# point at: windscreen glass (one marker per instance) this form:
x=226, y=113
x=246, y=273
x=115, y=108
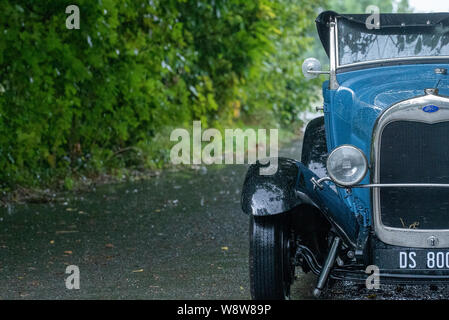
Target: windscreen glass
x=356, y=43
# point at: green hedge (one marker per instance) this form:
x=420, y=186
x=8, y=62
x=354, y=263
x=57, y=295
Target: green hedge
x=72, y=99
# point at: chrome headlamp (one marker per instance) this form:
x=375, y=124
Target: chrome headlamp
x=347, y=165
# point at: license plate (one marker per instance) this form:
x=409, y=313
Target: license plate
x=419, y=259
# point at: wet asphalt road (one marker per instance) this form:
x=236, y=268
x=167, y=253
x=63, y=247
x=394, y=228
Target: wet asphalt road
x=180, y=235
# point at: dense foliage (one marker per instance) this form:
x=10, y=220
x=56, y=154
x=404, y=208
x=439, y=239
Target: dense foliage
x=72, y=101
x=277, y=85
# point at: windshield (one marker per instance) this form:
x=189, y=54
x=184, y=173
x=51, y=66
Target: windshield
x=356, y=43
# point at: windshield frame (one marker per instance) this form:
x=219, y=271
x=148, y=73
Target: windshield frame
x=381, y=62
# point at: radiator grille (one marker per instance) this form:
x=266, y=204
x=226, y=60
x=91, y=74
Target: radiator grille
x=415, y=152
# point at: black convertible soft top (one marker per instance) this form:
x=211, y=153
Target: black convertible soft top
x=387, y=20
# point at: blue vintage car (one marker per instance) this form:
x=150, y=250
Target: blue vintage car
x=371, y=192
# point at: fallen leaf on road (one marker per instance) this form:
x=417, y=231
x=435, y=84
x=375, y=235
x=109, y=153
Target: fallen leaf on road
x=65, y=231
x=139, y=270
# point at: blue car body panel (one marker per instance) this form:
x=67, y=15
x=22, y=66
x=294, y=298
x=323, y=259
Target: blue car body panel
x=351, y=111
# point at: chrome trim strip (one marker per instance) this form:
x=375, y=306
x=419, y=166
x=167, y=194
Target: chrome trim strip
x=333, y=53
x=392, y=60
x=402, y=185
x=408, y=110
x=318, y=72
x=319, y=184
x=337, y=49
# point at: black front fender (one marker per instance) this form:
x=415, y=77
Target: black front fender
x=265, y=195
x=290, y=187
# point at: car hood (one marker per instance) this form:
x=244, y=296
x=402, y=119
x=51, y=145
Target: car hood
x=363, y=95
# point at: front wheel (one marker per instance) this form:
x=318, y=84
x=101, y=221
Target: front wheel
x=270, y=257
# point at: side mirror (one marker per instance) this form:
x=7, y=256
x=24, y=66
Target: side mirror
x=311, y=68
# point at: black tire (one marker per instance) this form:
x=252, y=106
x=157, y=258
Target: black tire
x=270, y=263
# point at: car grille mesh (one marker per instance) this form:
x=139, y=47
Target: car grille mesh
x=415, y=152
